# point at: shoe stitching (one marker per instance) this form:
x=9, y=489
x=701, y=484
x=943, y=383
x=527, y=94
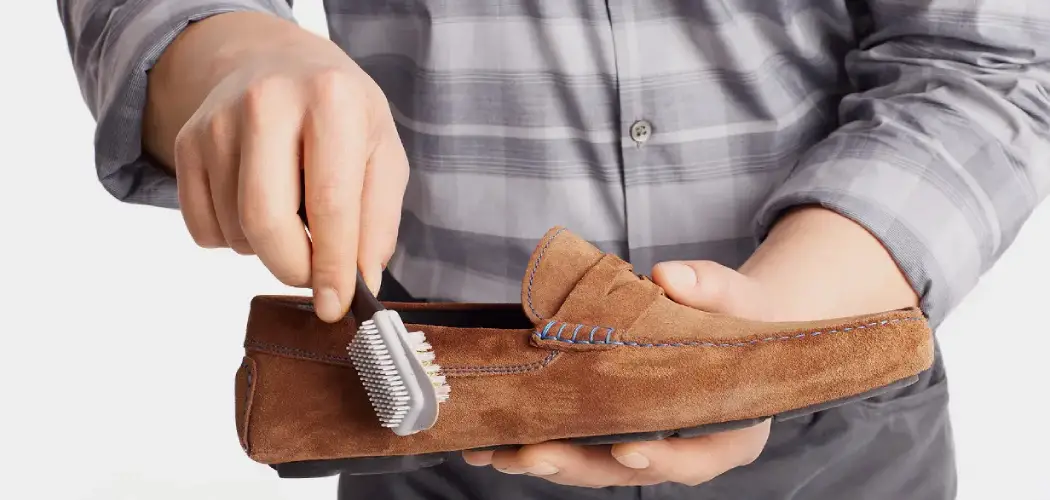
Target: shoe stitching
x=448, y=370
x=575, y=331
x=249, y=391
x=301, y=353
x=502, y=370
x=528, y=295
x=591, y=336
x=609, y=330
x=558, y=335
x=543, y=336
x=535, y=267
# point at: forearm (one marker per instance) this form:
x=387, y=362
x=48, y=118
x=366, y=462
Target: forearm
x=941, y=149
x=817, y=264
x=194, y=64
x=114, y=45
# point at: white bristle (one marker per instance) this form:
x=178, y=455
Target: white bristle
x=378, y=372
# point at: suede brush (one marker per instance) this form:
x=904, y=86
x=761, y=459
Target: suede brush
x=395, y=366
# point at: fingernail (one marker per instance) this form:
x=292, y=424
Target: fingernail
x=373, y=279
x=511, y=470
x=680, y=275
x=326, y=303
x=477, y=459
x=542, y=469
x=634, y=460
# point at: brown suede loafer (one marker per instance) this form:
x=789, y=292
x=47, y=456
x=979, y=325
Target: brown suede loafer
x=594, y=354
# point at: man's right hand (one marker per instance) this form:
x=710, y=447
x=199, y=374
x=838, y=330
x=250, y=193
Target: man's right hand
x=240, y=106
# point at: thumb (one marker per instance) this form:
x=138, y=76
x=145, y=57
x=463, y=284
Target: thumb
x=710, y=286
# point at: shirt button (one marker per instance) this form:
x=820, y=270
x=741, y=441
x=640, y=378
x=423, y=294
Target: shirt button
x=641, y=130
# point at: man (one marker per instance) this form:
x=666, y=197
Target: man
x=770, y=159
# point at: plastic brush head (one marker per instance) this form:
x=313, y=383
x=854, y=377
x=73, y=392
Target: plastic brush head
x=398, y=372
x=396, y=367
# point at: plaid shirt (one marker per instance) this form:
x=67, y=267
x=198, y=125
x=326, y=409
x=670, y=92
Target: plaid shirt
x=659, y=129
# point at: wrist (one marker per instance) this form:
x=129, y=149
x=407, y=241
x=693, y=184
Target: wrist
x=818, y=264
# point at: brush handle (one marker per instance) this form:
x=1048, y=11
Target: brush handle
x=364, y=305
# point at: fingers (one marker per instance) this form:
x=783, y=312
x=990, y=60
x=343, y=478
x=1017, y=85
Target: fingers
x=222, y=152
x=711, y=287
x=478, y=458
x=195, y=201
x=268, y=194
x=693, y=460
x=335, y=151
x=239, y=180
x=681, y=460
x=384, y=189
x=564, y=463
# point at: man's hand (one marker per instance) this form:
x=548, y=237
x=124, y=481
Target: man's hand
x=701, y=284
x=814, y=264
x=241, y=106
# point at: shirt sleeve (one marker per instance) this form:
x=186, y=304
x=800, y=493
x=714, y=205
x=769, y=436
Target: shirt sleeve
x=112, y=44
x=943, y=147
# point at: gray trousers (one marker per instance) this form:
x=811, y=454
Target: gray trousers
x=896, y=446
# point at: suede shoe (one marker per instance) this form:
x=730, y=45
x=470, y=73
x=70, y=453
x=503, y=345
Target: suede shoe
x=594, y=354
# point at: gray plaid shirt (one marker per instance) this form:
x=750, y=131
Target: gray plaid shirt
x=659, y=129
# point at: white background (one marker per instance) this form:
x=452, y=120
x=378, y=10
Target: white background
x=120, y=337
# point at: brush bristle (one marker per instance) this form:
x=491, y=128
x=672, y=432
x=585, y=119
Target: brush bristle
x=425, y=354
x=385, y=387
x=376, y=370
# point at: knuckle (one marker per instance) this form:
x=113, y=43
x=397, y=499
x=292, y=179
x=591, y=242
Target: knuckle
x=379, y=117
x=256, y=219
x=326, y=201
x=185, y=150
x=711, y=284
x=330, y=84
x=219, y=127
x=380, y=105
x=260, y=97
x=328, y=271
x=706, y=267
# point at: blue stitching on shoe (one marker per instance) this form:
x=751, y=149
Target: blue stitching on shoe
x=544, y=336
x=574, y=332
x=563, y=325
x=608, y=336
x=532, y=277
x=592, y=333
x=548, y=327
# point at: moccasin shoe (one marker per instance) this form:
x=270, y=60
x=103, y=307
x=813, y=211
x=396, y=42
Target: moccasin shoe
x=594, y=353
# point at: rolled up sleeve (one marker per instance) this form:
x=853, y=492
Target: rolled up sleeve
x=943, y=148
x=113, y=43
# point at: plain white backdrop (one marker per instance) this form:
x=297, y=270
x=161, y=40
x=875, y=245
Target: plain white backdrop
x=120, y=337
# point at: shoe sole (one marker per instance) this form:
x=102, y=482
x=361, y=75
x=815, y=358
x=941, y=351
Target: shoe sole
x=407, y=463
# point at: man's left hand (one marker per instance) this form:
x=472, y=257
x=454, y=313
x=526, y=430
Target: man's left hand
x=704, y=285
